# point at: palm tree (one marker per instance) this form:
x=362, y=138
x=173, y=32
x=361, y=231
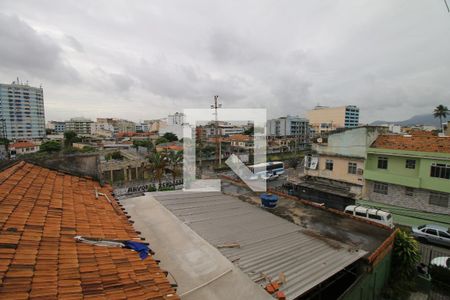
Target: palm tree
x=440, y=112
x=158, y=164
x=174, y=160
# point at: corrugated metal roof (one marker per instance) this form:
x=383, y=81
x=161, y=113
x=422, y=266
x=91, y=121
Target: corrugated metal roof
x=268, y=244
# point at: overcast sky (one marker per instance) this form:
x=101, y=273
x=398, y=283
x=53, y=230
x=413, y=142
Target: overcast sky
x=144, y=59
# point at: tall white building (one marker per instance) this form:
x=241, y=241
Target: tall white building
x=175, y=124
x=21, y=111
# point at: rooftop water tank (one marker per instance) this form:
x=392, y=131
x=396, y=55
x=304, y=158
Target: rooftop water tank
x=269, y=200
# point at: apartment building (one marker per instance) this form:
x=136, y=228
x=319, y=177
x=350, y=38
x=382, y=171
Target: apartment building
x=82, y=126
x=337, y=162
x=142, y=127
x=21, y=111
x=411, y=171
x=288, y=128
x=174, y=125
x=324, y=118
x=56, y=126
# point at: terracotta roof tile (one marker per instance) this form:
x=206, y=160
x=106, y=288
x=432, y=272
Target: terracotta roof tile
x=25, y=144
x=40, y=213
x=420, y=143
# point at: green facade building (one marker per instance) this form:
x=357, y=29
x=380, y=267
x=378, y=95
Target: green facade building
x=409, y=171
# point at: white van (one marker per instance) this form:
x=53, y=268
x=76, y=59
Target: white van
x=372, y=214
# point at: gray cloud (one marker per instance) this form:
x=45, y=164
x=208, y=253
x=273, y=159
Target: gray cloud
x=25, y=50
x=74, y=43
x=391, y=59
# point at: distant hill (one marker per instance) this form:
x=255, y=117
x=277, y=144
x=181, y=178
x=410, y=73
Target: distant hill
x=426, y=119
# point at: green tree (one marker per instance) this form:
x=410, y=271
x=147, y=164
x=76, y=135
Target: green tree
x=50, y=146
x=70, y=137
x=250, y=131
x=158, y=165
x=174, y=161
x=405, y=257
x=114, y=155
x=161, y=140
x=117, y=155
x=294, y=162
x=4, y=141
x=440, y=112
x=143, y=143
x=170, y=137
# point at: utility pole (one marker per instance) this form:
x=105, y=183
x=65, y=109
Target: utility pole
x=5, y=137
x=216, y=128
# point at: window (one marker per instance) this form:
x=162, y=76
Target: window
x=352, y=168
x=439, y=199
x=375, y=217
x=410, y=164
x=382, y=163
x=431, y=231
x=329, y=165
x=444, y=234
x=409, y=191
x=361, y=214
x=380, y=188
x=440, y=170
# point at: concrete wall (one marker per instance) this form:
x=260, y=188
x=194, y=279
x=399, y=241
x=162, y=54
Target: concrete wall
x=76, y=164
x=397, y=196
x=351, y=142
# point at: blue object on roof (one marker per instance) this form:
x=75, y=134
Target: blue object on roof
x=269, y=200
x=143, y=249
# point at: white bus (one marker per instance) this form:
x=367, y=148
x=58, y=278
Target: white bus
x=372, y=214
x=267, y=170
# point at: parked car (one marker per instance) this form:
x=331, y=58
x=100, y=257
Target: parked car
x=373, y=214
x=443, y=261
x=432, y=233
x=271, y=177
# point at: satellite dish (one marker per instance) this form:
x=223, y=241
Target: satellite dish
x=319, y=140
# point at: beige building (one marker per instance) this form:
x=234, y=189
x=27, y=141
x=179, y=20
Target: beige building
x=324, y=118
x=339, y=161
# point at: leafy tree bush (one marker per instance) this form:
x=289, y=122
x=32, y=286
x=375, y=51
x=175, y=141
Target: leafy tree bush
x=405, y=257
x=294, y=162
x=170, y=137
x=114, y=155
x=70, y=137
x=250, y=131
x=87, y=149
x=151, y=188
x=143, y=143
x=50, y=146
x=161, y=140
